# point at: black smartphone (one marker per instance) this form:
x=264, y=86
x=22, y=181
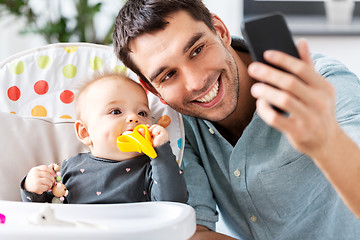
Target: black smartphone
x=265, y=33
x=268, y=32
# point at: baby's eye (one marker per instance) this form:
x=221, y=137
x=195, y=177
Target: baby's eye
x=143, y=114
x=115, y=112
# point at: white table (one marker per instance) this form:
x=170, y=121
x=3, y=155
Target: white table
x=148, y=220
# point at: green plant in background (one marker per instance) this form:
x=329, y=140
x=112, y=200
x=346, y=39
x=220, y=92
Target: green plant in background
x=80, y=27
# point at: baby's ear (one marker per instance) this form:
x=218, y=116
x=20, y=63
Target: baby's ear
x=82, y=133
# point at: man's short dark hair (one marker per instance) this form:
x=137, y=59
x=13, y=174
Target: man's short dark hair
x=137, y=17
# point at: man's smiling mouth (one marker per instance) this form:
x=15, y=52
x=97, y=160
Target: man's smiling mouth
x=211, y=95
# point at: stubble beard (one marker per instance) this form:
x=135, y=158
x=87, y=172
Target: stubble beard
x=221, y=111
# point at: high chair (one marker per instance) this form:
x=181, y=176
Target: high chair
x=38, y=88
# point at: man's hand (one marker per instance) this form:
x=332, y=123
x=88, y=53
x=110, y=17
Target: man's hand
x=303, y=93
x=311, y=125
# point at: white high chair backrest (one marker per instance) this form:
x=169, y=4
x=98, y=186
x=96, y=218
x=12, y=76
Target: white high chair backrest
x=38, y=87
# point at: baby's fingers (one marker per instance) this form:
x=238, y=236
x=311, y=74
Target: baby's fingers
x=159, y=135
x=43, y=169
x=38, y=185
x=155, y=129
x=40, y=179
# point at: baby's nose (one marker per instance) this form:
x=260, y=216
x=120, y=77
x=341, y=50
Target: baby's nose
x=133, y=119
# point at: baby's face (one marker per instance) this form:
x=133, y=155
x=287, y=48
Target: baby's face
x=110, y=107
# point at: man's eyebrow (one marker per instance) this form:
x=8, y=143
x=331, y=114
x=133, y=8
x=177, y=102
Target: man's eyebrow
x=188, y=45
x=192, y=41
x=156, y=73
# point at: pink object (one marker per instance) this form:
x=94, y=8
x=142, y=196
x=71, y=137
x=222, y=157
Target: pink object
x=2, y=218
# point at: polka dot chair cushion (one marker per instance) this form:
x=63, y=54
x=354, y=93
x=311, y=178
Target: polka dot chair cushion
x=41, y=84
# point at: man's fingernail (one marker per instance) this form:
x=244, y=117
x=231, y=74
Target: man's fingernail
x=255, y=89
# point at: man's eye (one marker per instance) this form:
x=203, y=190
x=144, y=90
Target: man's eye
x=196, y=51
x=169, y=75
x=143, y=114
x=115, y=112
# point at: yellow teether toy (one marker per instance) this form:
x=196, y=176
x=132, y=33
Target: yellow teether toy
x=135, y=142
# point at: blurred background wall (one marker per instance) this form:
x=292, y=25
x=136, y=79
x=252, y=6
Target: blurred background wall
x=73, y=15
x=102, y=14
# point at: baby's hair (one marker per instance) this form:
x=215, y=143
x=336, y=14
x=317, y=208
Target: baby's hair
x=89, y=82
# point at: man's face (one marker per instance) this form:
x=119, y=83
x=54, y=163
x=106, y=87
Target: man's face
x=190, y=67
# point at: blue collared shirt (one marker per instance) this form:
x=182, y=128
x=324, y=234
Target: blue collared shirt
x=264, y=188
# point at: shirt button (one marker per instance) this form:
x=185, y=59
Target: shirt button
x=211, y=131
x=237, y=173
x=253, y=218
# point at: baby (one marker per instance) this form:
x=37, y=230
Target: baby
x=106, y=107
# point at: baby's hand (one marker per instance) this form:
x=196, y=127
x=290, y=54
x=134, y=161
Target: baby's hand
x=159, y=135
x=40, y=179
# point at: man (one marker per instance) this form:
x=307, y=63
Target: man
x=272, y=176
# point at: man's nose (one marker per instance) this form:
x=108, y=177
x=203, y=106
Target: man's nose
x=194, y=77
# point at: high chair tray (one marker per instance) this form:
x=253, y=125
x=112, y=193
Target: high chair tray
x=147, y=220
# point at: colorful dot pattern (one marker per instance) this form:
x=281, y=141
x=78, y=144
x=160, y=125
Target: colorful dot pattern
x=43, y=82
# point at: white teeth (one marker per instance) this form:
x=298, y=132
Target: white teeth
x=211, y=95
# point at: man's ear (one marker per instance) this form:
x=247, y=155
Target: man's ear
x=82, y=133
x=221, y=30
x=147, y=86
